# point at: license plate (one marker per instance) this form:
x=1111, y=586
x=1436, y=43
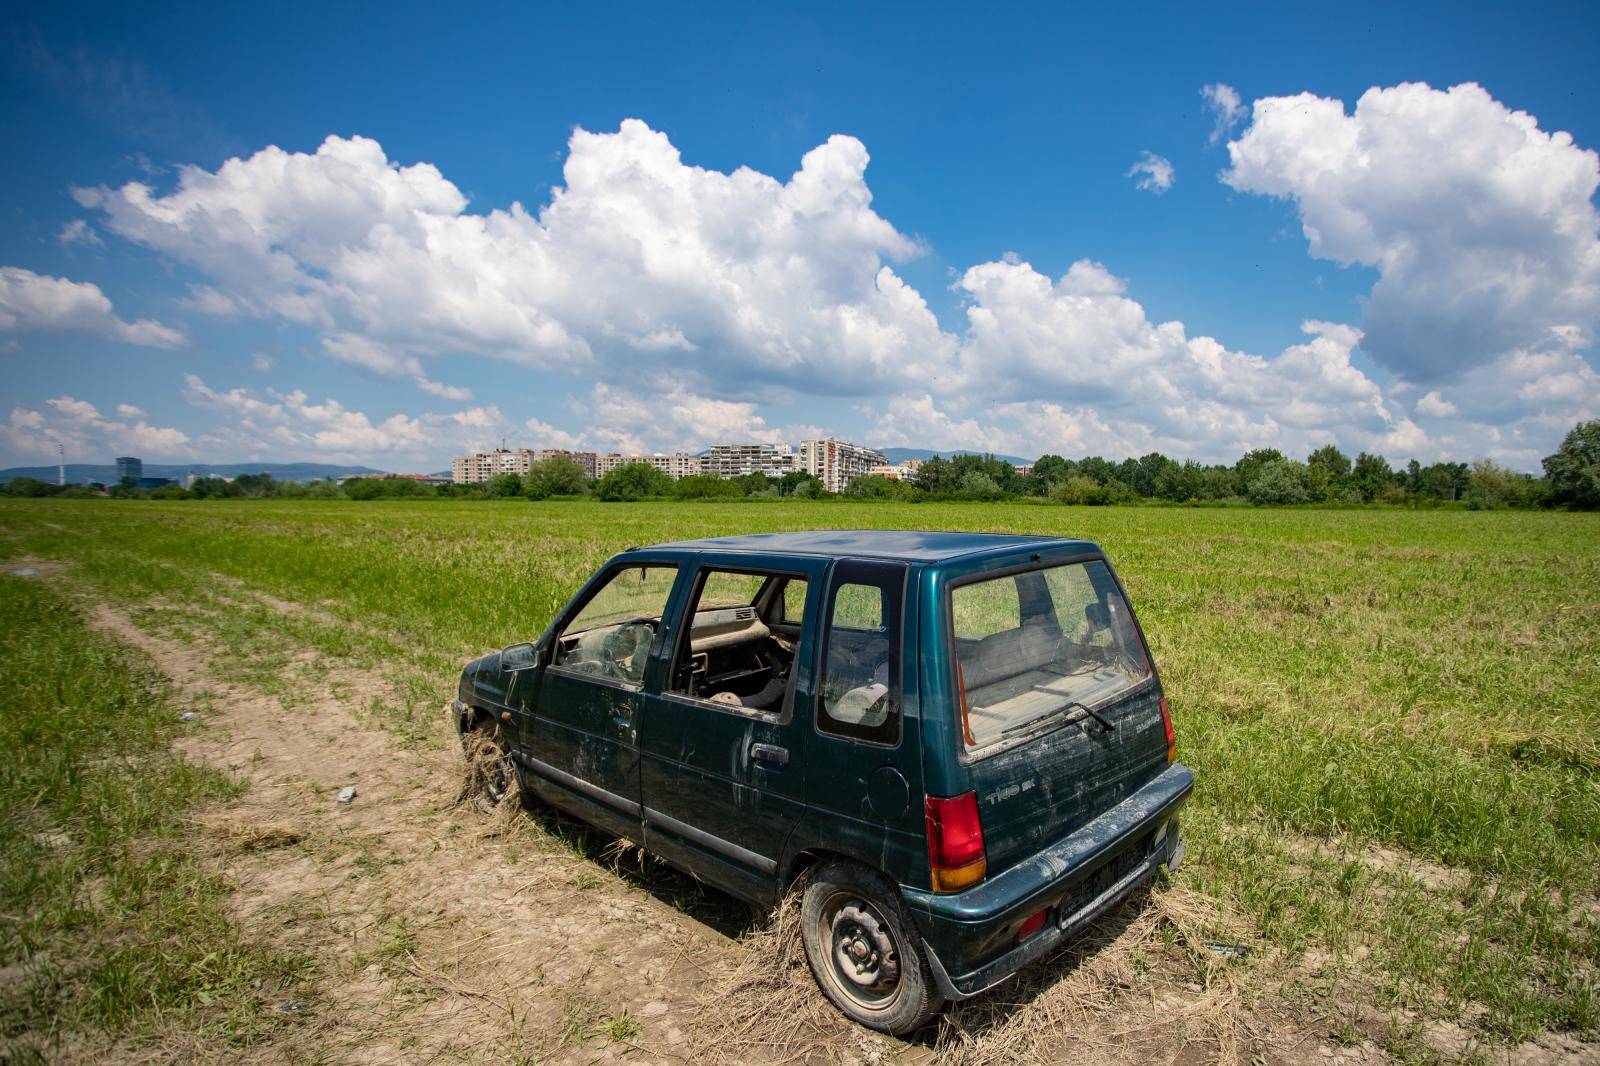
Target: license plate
x=1090, y=887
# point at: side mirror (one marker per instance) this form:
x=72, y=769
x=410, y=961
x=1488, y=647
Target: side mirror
x=518, y=657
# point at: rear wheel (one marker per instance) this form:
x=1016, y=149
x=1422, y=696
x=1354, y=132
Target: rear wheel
x=491, y=775
x=863, y=949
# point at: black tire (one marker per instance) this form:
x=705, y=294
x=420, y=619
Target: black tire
x=864, y=951
x=490, y=772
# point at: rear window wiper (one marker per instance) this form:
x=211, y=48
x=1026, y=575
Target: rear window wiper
x=1034, y=723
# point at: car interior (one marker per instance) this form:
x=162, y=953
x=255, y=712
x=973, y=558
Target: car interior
x=742, y=654
x=1072, y=651
x=740, y=650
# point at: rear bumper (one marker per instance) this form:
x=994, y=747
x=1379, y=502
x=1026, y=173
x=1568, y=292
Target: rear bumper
x=969, y=936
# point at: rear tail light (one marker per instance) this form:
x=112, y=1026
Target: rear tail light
x=956, y=858
x=1166, y=724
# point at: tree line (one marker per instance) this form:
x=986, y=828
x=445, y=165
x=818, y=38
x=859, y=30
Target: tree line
x=1262, y=477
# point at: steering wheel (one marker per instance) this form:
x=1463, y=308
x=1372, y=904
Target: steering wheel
x=625, y=648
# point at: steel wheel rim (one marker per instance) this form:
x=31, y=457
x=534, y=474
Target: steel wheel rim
x=863, y=959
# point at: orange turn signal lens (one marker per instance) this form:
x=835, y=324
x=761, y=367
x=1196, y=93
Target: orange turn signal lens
x=959, y=878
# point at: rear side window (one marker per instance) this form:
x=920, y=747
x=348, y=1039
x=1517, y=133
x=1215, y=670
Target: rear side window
x=794, y=601
x=860, y=690
x=1031, y=644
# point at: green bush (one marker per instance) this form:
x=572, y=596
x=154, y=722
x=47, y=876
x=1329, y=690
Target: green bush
x=1080, y=492
x=633, y=481
x=558, y=476
x=706, y=487
x=1278, y=482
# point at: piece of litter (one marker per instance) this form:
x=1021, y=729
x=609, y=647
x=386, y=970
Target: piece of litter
x=293, y=1007
x=1230, y=951
x=185, y=716
x=346, y=794
x=24, y=571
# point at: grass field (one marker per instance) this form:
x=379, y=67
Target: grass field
x=111, y=927
x=1393, y=714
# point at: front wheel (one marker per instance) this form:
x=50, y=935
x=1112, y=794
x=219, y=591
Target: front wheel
x=863, y=949
x=490, y=773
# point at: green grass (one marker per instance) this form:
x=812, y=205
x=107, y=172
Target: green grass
x=110, y=929
x=1393, y=714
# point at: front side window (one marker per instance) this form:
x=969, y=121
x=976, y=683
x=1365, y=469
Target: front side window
x=610, y=636
x=859, y=696
x=1031, y=644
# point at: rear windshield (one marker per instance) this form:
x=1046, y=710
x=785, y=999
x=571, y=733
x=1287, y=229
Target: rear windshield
x=1031, y=644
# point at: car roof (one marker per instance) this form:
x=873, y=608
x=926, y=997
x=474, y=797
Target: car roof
x=911, y=545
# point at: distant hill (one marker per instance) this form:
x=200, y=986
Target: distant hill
x=900, y=455
x=78, y=473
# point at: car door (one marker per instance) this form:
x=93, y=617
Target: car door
x=580, y=722
x=862, y=751
x=723, y=783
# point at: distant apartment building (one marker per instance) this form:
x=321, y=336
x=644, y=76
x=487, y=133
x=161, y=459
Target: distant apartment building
x=676, y=465
x=129, y=468
x=588, y=461
x=737, y=460
x=836, y=462
x=479, y=467
x=1024, y=469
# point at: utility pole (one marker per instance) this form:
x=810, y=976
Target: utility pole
x=61, y=463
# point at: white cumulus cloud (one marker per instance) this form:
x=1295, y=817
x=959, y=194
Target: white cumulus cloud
x=273, y=424
x=1481, y=226
x=736, y=278
x=693, y=297
x=1222, y=100
x=39, y=303
x=86, y=433
x=1154, y=172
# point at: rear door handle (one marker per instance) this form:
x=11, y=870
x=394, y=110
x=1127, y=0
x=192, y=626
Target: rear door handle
x=622, y=716
x=770, y=753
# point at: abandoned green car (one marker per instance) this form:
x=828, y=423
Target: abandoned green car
x=958, y=740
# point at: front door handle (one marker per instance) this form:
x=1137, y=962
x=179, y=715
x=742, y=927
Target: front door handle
x=770, y=753
x=622, y=716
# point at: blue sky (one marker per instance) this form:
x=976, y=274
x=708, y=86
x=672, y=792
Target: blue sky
x=1000, y=147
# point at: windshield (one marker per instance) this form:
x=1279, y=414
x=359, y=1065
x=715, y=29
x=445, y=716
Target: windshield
x=1031, y=644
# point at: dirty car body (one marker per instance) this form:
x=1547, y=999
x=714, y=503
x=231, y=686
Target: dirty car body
x=961, y=736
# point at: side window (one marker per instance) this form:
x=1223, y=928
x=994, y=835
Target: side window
x=859, y=696
x=610, y=636
x=728, y=655
x=726, y=588
x=794, y=601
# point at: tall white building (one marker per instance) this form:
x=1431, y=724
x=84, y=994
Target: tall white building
x=676, y=465
x=479, y=467
x=837, y=462
x=737, y=460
